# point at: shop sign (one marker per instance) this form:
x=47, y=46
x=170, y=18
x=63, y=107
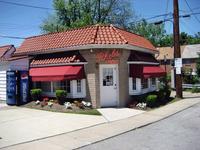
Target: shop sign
x=178, y=70
x=110, y=57
x=178, y=62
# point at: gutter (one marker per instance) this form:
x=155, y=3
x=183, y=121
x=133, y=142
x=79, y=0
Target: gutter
x=90, y=46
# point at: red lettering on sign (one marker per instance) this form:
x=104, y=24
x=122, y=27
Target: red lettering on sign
x=108, y=56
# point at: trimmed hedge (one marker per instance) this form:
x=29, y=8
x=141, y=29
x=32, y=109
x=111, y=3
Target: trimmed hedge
x=36, y=94
x=151, y=100
x=61, y=96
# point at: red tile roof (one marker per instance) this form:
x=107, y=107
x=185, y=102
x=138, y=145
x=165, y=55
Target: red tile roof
x=57, y=58
x=97, y=34
x=4, y=49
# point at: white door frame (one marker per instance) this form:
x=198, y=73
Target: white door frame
x=101, y=66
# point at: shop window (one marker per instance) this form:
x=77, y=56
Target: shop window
x=153, y=81
x=107, y=76
x=61, y=85
x=56, y=86
x=37, y=85
x=78, y=86
x=134, y=83
x=68, y=88
x=46, y=86
x=144, y=83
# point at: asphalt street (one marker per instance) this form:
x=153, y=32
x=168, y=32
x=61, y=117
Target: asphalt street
x=178, y=132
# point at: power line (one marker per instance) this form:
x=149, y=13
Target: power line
x=195, y=8
x=180, y=16
x=11, y=37
x=153, y=17
x=25, y=5
x=166, y=10
x=186, y=26
x=192, y=11
x=167, y=19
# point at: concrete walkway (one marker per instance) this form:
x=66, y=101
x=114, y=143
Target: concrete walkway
x=100, y=132
x=3, y=104
x=18, y=125
x=113, y=114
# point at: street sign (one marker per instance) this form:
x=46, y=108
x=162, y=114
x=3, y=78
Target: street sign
x=177, y=62
x=178, y=70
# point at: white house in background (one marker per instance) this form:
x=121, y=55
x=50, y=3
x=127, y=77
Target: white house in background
x=7, y=62
x=5, y=53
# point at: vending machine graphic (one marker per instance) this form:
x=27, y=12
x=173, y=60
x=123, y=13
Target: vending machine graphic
x=24, y=87
x=11, y=88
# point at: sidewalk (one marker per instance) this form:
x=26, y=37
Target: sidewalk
x=100, y=132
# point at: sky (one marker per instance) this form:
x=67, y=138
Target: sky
x=19, y=21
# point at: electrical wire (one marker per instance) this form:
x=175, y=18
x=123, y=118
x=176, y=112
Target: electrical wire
x=186, y=26
x=166, y=10
x=26, y=5
x=192, y=10
x=11, y=37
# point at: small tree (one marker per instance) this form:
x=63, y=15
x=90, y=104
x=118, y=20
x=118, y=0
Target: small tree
x=198, y=66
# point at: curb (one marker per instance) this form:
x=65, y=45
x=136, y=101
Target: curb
x=114, y=135
x=137, y=127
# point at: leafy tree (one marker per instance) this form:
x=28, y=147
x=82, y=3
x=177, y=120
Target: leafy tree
x=78, y=13
x=198, y=66
x=157, y=34
x=152, y=32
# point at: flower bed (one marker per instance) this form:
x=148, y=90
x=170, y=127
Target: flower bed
x=53, y=105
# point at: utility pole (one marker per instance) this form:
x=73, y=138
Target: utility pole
x=177, y=54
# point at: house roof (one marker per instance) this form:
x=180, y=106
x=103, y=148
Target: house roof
x=57, y=58
x=187, y=51
x=4, y=49
x=92, y=35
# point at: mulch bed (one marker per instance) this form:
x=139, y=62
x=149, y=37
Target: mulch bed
x=61, y=108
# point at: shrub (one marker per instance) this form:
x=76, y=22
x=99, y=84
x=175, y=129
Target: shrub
x=161, y=94
x=140, y=98
x=190, y=79
x=61, y=96
x=167, y=94
x=151, y=100
x=36, y=94
x=195, y=90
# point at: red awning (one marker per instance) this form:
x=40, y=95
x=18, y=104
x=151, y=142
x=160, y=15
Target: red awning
x=145, y=71
x=57, y=73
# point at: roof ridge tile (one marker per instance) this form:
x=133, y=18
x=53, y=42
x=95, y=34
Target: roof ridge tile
x=122, y=37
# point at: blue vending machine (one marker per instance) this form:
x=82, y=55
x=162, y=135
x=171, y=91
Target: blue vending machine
x=24, y=87
x=11, y=88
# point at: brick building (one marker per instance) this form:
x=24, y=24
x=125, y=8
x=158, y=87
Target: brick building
x=102, y=64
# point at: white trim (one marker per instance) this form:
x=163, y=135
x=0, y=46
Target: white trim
x=73, y=90
x=139, y=89
x=142, y=62
x=91, y=46
x=76, y=94
x=62, y=64
x=101, y=66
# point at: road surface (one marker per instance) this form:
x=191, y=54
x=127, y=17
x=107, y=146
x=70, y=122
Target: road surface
x=178, y=132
